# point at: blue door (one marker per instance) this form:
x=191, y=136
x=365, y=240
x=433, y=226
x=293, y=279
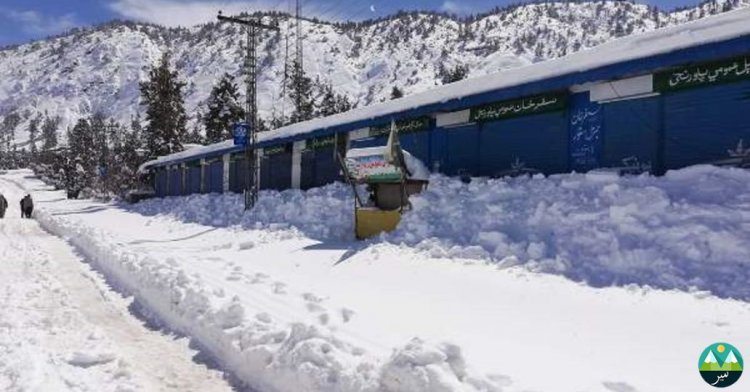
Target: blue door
x=215, y=174
x=193, y=180
x=631, y=134
x=237, y=174
x=706, y=125
x=161, y=182
x=326, y=167
x=175, y=182
x=524, y=145
x=276, y=171
x=417, y=144
x=455, y=151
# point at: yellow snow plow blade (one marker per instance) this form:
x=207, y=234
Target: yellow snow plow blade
x=372, y=221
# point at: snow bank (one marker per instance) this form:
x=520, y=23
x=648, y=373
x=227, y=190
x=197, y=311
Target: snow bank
x=321, y=213
x=686, y=230
x=267, y=354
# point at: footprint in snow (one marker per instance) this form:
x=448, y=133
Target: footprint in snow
x=259, y=278
x=346, y=314
x=279, y=288
x=310, y=297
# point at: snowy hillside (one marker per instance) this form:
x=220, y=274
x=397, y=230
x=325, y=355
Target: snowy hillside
x=98, y=69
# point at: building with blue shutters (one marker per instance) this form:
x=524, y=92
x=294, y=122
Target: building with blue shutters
x=651, y=102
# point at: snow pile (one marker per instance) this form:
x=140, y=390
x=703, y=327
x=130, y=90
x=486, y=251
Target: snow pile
x=270, y=352
x=319, y=213
x=686, y=230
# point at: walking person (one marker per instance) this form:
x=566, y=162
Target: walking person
x=27, y=206
x=3, y=206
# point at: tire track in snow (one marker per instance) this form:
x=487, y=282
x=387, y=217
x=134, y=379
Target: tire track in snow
x=63, y=328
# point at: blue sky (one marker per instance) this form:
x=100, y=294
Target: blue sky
x=25, y=20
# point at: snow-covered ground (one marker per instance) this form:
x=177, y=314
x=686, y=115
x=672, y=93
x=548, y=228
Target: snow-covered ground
x=569, y=283
x=63, y=329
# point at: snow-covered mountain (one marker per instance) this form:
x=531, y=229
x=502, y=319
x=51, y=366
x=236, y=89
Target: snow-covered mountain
x=99, y=69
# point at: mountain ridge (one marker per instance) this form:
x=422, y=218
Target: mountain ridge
x=98, y=69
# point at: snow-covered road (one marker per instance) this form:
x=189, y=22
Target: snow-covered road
x=62, y=328
x=287, y=302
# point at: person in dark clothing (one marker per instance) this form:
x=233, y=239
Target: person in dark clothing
x=27, y=206
x=3, y=206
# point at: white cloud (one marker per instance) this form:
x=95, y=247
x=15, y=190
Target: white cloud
x=186, y=13
x=34, y=23
x=455, y=8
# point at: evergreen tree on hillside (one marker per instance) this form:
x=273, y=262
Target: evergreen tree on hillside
x=224, y=110
x=165, y=112
x=7, y=136
x=327, y=105
x=332, y=103
x=458, y=72
x=301, y=92
x=33, y=133
x=99, y=131
x=396, y=93
x=49, y=132
x=81, y=163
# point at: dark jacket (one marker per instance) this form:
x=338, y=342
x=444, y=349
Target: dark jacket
x=27, y=203
x=3, y=205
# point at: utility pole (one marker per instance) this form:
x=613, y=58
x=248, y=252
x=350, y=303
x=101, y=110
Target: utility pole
x=298, y=67
x=252, y=184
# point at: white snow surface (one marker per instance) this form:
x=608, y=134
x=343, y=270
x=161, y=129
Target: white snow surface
x=565, y=283
x=62, y=328
x=703, y=31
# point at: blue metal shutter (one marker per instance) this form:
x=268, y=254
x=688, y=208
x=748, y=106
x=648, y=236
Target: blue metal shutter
x=161, y=182
x=417, y=144
x=307, y=169
x=701, y=125
x=526, y=144
x=276, y=171
x=193, y=180
x=237, y=175
x=455, y=151
x=215, y=173
x=631, y=133
x=326, y=168
x=175, y=182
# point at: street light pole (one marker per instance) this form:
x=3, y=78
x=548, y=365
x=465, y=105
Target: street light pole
x=252, y=185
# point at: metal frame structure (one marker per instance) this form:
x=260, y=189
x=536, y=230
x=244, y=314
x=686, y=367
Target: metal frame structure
x=251, y=26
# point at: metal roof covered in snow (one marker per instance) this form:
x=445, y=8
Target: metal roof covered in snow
x=713, y=37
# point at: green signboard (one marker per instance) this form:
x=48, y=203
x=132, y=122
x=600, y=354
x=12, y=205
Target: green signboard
x=280, y=149
x=706, y=74
x=402, y=126
x=520, y=107
x=320, y=142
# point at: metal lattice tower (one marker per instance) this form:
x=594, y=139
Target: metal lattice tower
x=252, y=185
x=298, y=61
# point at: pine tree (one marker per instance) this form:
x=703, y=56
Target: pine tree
x=224, y=110
x=301, y=95
x=81, y=156
x=49, y=132
x=33, y=133
x=396, y=93
x=328, y=103
x=459, y=72
x=165, y=112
